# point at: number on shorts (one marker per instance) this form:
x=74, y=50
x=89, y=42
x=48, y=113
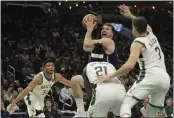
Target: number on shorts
x=45, y=92
x=158, y=51
x=100, y=70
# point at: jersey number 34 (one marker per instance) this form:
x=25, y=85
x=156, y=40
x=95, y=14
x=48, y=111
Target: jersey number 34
x=100, y=70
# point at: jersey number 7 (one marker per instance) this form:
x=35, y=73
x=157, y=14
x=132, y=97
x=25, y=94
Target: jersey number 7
x=100, y=70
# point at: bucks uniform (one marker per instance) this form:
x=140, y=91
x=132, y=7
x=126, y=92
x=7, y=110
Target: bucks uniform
x=153, y=78
x=107, y=96
x=35, y=99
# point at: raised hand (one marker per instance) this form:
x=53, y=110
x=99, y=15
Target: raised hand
x=90, y=24
x=125, y=11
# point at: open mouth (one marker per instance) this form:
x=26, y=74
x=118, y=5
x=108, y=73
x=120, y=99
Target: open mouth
x=51, y=70
x=104, y=33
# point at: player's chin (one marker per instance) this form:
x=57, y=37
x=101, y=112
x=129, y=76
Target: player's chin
x=51, y=71
x=104, y=36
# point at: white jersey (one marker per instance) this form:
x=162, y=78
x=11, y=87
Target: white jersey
x=96, y=69
x=153, y=56
x=42, y=90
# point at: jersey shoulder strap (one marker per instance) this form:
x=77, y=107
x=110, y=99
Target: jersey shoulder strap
x=142, y=40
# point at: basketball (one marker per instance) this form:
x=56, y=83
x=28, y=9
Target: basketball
x=86, y=17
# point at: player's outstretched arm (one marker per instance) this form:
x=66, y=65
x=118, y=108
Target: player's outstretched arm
x=37, y=80
x=60, y=78
x=135, y=51
x=125, y=11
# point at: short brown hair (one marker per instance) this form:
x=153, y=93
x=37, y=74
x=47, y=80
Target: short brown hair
x=110, y=25
x=140, y=24
x=113, y=30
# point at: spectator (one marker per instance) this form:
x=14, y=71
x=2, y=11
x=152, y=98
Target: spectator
x=17, y=85
x=4, y=113
x=66, y=93
x=50, y=54
x=15, y=93
x=26, y=71
x=5, y=84
x=9, y=95
x=49, y=111
x=55, y=33
x=22, y=45
x=25, y=57
x=37, y=64
x=169, y=107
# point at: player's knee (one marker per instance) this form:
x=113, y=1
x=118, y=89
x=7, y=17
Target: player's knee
x=77, y=80
x=129, y=101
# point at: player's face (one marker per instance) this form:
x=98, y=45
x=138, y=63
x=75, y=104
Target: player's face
x=107, y=32
x=49, y=68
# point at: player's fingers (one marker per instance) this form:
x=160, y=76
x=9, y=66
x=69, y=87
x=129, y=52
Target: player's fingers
x=90, y=18
x=87, y=19
x=85, y=22
x=121, y=7
x=122, y=13
x=125, y=6
x=98, y=80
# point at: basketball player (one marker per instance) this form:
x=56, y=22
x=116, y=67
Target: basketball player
x=38, y=88
x=153, y=79
x=102, y=95
x=110, y=55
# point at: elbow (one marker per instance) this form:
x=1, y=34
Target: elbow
x=87, y=49
x=84, y=47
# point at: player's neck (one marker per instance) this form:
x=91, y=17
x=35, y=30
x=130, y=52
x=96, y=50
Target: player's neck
x=48, y=76
x=143, y=34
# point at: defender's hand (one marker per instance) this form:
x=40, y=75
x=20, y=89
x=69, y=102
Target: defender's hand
x=103, y=78
x=125, y=11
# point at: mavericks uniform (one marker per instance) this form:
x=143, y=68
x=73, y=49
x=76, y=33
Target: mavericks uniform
x=107, y=96
x=153, y=79
x=112, y=58
x=35, y=99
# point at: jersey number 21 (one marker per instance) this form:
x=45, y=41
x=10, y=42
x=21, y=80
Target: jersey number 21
x=100, y=70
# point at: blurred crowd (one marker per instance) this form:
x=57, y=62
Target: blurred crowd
x=29, y=36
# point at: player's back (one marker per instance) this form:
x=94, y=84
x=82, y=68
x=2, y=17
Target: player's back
x=153, y=56
x=43, y=89
x=96, y=69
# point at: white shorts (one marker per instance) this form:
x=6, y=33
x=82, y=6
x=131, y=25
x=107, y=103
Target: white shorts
x=33, y=103
x=156, y=83
x=109, y=97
